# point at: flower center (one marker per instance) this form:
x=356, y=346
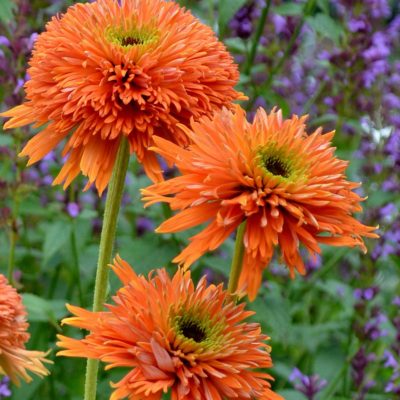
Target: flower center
x=278, y=162
x=131, y=41
x=128, y=38
x=276, y=166
x=192, y=329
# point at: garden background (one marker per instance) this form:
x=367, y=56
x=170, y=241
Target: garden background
x=336, y=60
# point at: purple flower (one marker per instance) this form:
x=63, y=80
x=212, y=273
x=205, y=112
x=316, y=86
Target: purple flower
x=73, y=209
x=394, y=29
x=313, y=263
x=31, y=40
x=388, y=211
x=308, y=385
x=378, y=8
x=390, y=361
x=144, y=225
x=359, y=364
x=279, y=23
x=396, y=301
x=4, y=41
x=365, y=294
x=391, y=100
x=47, y=180
x=4, y=389
x=358, y=25
x=379, y=48
x=19, y=86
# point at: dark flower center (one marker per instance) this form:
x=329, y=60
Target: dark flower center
x=191, y=329
x=276, y=166
x=131, y=41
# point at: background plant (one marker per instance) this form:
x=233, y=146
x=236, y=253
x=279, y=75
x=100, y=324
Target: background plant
x=336, y=60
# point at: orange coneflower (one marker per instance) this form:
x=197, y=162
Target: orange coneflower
x=287, y=185
x=15, y=360
x=173, y=336
x=111, y=68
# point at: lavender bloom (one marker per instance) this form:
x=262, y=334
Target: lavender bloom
x=358, y=25
x=144, y=225
x=242, y=22
x=396, y=301
x=388, y=212
x=391, y=100
x=310, y=386
x=4, y=41
x=4, y=388
x=366, y=294
x=390, y=361
x=378, y=8
x=372, y=329
x=359, y=365
x=73, y=209
x=279, y=23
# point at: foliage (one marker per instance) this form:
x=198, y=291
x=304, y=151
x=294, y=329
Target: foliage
x=337, y=61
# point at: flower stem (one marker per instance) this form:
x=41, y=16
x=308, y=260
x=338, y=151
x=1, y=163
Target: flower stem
x=257, y=36
x=76, y=272
x=113, y=202
x=237, y=261
x=11, y=256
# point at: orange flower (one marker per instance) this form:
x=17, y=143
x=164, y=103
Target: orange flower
x=174, y=336
x=106, y=70
x=288, y=186
x=15, y=360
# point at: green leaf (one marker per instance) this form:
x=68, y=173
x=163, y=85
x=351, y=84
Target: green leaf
x=26, y=391
x=41, y=310
x=226, y=10
x=326, y=26
x=236, y=45
x=289, y=9
x=273, y=313
x=291, y=394
x=56, y=237
x=146, y=253
x=6, y=10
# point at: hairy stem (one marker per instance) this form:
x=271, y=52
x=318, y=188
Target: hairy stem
x=113, y=202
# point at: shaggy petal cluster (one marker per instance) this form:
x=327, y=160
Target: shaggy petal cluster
x=173, y=336
x=15, y=360
x=287, y=185
x=109, y=69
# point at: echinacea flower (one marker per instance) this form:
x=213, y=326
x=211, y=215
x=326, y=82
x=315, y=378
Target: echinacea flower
x=112, y=69
x=15, y=359
x=174, y=336
x=286, y=185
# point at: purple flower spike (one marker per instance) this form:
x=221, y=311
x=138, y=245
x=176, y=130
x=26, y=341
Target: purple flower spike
x=310, y=386
x=4, y=389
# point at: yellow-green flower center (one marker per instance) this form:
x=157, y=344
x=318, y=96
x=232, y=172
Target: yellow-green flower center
x=280, y=163
x=195, y=329
x=131, y=37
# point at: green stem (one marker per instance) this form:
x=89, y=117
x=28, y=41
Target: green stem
x=15, y=212
x=11, y=256
x=237, y=261
x=113, y=202
x=257, y=36
x=76, y=270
